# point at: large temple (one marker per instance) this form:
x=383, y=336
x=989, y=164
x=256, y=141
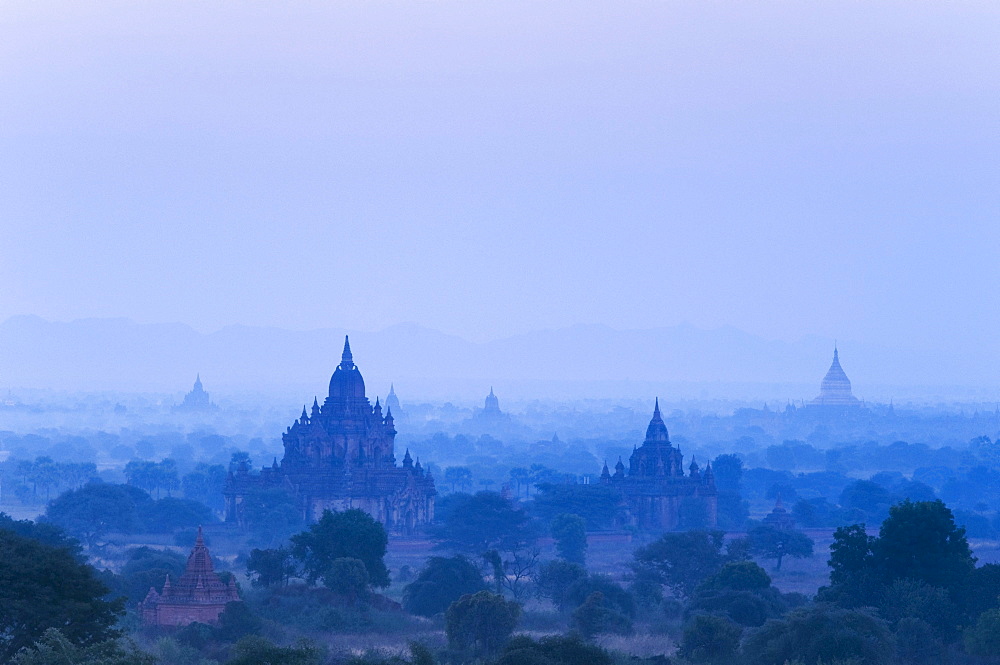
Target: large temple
x=835, y=389
x=197, y=399
x=198, y=596
x=655, y=491
x=341, y=455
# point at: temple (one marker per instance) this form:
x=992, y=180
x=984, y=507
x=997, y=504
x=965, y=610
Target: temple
x=657, y=494
x=779, y=518
x=341, y=455
x=199, y=595
x=392, y=403
x=196, y=400
x=835, y=389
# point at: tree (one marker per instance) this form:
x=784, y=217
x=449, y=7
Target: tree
x=768, y=542
x=570, y=533
x=917, y=643
x=920, y=541
x=710, y=639
x=681, y=560
x=237, y=621
x=555, y=579
x=521, y=476
x=347, y=577
x=481, y=622
x=596, y=616
x=440, y=583
x=170, y=513
x=54, y=648
x=270, y=515
x=44, y=532
x=613, y=595
x=483, y=522
x=820, y=634
x=983, y=639
x=866, y=497
x=45, y=587
x=270, y=567
x=912, y=599
x=553, y=650
x=205, y=484
x=598, y=505
x=741, y=592
x=514, y=567
x=97, y=509
x=147, y=567
x=738, y=576
x=458, y=476
x=350, y=534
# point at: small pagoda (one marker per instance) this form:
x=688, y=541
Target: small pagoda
x=198, y=596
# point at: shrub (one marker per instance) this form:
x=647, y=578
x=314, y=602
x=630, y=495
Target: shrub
x=481, y=622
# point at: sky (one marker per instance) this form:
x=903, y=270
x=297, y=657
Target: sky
x=492, y=168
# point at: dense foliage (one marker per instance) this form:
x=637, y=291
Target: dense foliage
x=44, y=587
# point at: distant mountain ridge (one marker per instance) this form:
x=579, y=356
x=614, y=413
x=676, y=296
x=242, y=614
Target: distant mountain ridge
x=119, y=354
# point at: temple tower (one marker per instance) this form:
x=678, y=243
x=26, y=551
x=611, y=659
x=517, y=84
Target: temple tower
x=835, y=389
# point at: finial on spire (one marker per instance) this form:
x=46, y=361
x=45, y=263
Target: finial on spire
x=199, y=540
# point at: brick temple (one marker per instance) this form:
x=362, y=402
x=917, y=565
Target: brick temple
x=198, y=596
x=341, y=455
x=655, y=490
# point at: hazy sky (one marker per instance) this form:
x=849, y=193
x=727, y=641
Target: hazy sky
x=487, y=168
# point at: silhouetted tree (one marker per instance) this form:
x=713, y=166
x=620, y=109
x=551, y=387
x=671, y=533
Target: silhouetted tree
x=45, y=587
x=710, y=639
x=440, y=583
x=555, y=578
x=768, y=542
x=681, y=560
x=349, y=534
x=481, y=622
x=570, y=533
x=596, y=616
x=270, y=567
x=552, y=650
x=483, y=522
x=820, y=634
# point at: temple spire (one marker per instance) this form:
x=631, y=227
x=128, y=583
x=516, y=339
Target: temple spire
x=656, y=408
x=346, y=359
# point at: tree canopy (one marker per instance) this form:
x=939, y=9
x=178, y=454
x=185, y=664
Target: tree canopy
x=682, y=560
x=440, y=583
x=481, y=522
x=351, y=534
x=45, y=587
x=481, y=622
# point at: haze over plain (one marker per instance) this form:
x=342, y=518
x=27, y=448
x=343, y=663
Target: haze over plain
x=494, y=169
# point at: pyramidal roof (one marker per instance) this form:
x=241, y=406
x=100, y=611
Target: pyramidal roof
x=199, y=563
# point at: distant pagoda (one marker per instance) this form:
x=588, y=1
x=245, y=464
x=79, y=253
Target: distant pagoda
x=199, y=595
x=835, y=389
x=197, y=399
x=392, y=403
